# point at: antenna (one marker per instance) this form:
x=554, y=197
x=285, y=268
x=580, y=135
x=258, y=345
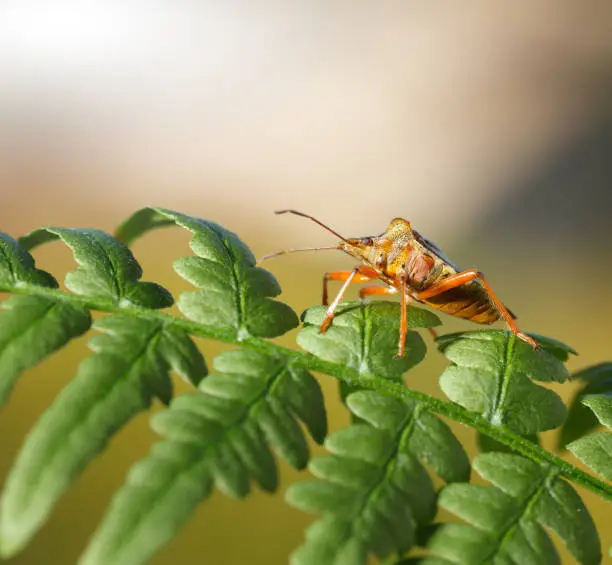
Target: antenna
x=271, y=255
x=314, y=220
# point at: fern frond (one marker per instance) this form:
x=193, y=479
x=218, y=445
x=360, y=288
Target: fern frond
x=375, y=491
x=505, y=523
x=219, y=437
x=492, y=373
x=234, y=294
x=376, y=496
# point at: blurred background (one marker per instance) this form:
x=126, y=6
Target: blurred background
x=488, y=126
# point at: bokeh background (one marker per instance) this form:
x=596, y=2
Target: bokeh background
x=488, y=125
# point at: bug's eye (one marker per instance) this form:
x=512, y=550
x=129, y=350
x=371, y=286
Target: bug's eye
x=367, y=241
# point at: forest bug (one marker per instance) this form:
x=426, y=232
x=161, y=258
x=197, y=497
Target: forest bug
x=410, y=264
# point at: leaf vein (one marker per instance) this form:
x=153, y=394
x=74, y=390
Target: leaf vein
x=523, y=511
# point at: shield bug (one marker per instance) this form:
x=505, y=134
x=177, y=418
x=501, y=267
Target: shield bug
x=408, y=263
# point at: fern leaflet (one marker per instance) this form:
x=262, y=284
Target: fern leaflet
x=596, y=379
x=31, y=327
x=596, y=449
x=376, y=492
x=492, y=373
x=107, y=268
x=364, y=337
x=505, y=522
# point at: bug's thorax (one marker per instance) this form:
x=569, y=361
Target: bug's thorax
x=395, y=255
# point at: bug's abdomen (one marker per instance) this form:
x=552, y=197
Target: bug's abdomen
x=469, y=301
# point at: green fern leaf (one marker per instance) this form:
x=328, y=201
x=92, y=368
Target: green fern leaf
x=234, y=294
x=580, y=420
x=107, y=269
x=505, y=523
x=31, y=327
x=17, y=267
x=375, y=491
x=596, y=449
x=492, y=372
x=130, y=366
x=217, y=437
x=363, y=336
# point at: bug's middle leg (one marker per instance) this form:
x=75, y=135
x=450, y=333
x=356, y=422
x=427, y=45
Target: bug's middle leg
x=406, y=300
x=376, y=290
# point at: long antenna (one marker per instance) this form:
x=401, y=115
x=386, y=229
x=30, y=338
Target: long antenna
x=294, y=251
x=314, y=220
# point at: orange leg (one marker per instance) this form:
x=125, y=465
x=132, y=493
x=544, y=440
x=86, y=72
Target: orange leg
x=376, y=290
x=401, y=346
x=359, y=274
x=465, y=277
x=331, y=311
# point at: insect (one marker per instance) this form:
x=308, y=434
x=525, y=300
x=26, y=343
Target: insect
x=415, y=267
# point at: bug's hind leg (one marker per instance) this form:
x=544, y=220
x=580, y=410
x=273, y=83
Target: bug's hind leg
x=433, y=333
x=467, y=276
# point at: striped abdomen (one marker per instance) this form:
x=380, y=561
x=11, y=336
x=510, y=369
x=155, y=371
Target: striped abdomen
x=469, y=301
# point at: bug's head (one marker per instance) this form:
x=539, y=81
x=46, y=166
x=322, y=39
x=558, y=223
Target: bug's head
x=375, y=250
x=359, y=247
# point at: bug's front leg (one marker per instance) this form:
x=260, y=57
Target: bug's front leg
x=358, y=274
x=363, y=274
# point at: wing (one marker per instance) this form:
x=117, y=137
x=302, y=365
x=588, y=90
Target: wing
x=433, y=248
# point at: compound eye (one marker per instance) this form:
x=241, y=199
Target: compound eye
x=367, y=241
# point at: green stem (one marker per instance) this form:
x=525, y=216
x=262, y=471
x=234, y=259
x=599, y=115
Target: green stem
x=453, y=411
